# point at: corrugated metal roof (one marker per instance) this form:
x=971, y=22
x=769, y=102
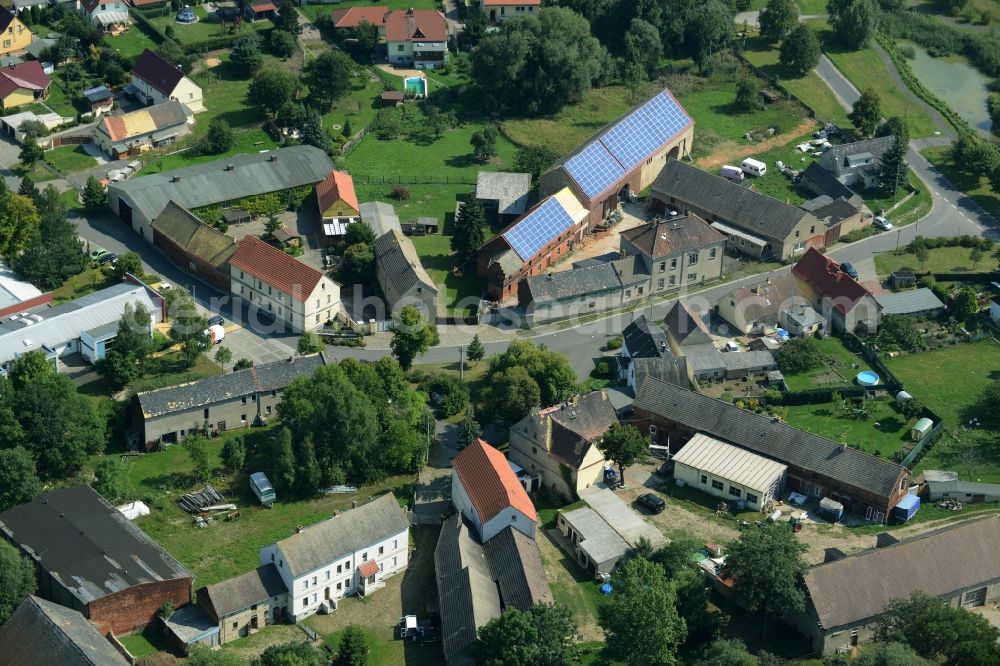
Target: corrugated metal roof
x=380, y=216
x=909, y=302
x=739, y=466
x=623, y=519
x=600, y=541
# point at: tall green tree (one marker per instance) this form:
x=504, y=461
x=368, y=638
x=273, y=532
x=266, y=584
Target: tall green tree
x=727, y=652
x=535, y=160
x=287, y=18
x=187, y=326
x=470, y=232
x=283, y=44
x=800, y=50
x=484, y=144
x=799, y=355
x=128, y=263
x=219, y=138
x=625, y=446
x=778, y=19
x=292, y=654
x=966, y=304
x=892, y=167
x=510, y=395
x=52, y=253
x=475, y=351
x=412, y=336
x=234, y=454
x=854, y=22
x=329, y=78
x=223, y=355
x=18, y=478
x=196, y=447
x=126, y=360
x=643, y=46
x=307, y=476
x=283, y=461
x=552, y=371
x=747, y=93
x=17, y=579
x=866, y=114
x=28, y=188
x=711, y=30
x=366, y=35
x=110, y=479
x=19, y=220
x=544, y=635
x=246, y=53
x=538, y=64
x=353, y=648
x=199, y=655
x=31, y=153
x=272, y=88
x=642, y=591
x=765, y=565
x=890, y=654
x=94, y=196
x=469, y=431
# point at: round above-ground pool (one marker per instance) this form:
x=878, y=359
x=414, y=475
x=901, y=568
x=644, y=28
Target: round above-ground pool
x=867, y=378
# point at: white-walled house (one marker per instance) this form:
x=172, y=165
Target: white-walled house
x=155, y=81
x=350, y=553
x=485, y=490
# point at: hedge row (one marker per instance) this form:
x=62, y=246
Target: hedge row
x=220, y=42
x=819, y=395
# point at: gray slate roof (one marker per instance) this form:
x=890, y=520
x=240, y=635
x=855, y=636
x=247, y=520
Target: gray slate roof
x=773, y=439
x=672, y=369
x=210, y=183
x=704, y=358
x=837, y=158
x=727, y=201
x=380, y=216
x=401, y=263
x=267, y=377
x=87, y=544
x=968, y=487
x=41, y=632
x=822, y=182
x=241, y=592
x=938, y=563
x=509, y=190
x=676, y=235
x=191, y=624
x=748, y=360
x=184, y=228
x=685, y=326
x=644, y=339
x=573, y=283
x=909, y=302
x=330, y=540
x=516, y=565
x=835, y=212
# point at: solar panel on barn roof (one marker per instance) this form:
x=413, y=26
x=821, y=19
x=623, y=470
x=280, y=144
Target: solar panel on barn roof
x=538, y=228
x=594, y=169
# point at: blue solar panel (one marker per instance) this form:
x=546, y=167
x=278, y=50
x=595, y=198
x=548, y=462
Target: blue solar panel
x=646, y=129
x=538, y=228
x=594, y=169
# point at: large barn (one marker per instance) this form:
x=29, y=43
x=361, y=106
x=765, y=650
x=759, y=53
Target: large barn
x=625, y=156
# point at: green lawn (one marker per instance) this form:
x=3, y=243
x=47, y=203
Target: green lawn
x=809, y=88
x=60, y=103
x=133, y=42
x=828, y=421
x=939, y=260
x=811, y=7
x=382, y=652
x=773, y=183
x=839, y=371
x=977, y=187
x=81, y=284
x=360, y=105
x=435, y=254
x=911, y=211
x=865, y=70
x=70, y=159
x=150, y=641
x=205, y=28
x=247, y=141
x=312, y=11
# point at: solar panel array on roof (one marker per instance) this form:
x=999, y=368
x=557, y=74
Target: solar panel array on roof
x=538, y=228
x=627, y=143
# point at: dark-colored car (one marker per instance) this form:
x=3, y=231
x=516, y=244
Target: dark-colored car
x=216, y=320
x=108, y=258
x=652, y=502
x=848, y=268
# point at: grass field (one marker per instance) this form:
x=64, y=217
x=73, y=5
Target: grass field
x=435, y=254
x=977, y=187
x=911, y=211
x=70, y=159
x=825, y=420
x=150, y=641
x=811, y=7
x=360, y=105
x=312, y=11
x=939, y=260
x=713, y=107
x=60, y=103
x=205, y=28
x=81, y=284
x=809, y=88
x=838, y=372
x=131, y=43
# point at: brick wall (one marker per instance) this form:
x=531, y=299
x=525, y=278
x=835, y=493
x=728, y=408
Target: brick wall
x=134, y=608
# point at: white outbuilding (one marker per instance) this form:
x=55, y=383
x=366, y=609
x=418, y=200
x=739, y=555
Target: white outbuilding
x=728, y=471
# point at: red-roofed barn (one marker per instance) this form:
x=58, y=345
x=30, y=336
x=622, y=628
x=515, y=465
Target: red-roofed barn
x=487, y=493
x=842, y=300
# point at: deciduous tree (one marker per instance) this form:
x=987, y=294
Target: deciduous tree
x=18, y=478
x=17, y=579
x=219, y=138
x=309, y=343
x=747, y=93
x=534, y=160
x=484, y=144
x=28, y=188
x=329, y=77
x=625, y=446
x=412, y=336
x=292, y=654
x=234, y=454
x=900, y=331
x=223, y=355
x=129, y=263
x=800, y=50
x=799, y=355
x=196, y=447
x=19, y=220
x=727, y=652
x=272, y=88
x=126, y=359
x=510, y=395
x=777, y=19
x=711, y=30
x=359, y=232
x=866, y=114
x=287, y=18
x=854, y=22
x=544, y=635
x=282, y=43
x=890, y=654
x=359, y=263
x=31, y=153
x=53, y=253
x=110, y=479
x=966, y=304
x=469, y=431
x=246, y=53
x=187, y=326
x=283, y=461
x=366, y=35
x=307, y=476
x=551, y=370
x=643, y=46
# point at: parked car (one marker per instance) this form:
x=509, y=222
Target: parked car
x=109, y=258
x=216, y=320
x=97, y=253
x=652, y=502
x=848, y=267
x=882, y=222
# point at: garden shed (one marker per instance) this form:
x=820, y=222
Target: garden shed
x=921, y=428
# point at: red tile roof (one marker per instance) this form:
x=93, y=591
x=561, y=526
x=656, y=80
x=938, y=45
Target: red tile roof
x=27, y=75
x=353, y=16
x=405, y=25
x=338, y=185
x=490, y=482
x=271, y=265
x=259, y=7
x=369, y=568
x=825, y=277
x=157, y=72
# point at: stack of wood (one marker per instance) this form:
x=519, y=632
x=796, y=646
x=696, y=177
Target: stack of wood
x=206, y=500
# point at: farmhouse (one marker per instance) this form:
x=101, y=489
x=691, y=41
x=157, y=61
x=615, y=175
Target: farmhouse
x=154, y=81
x=192, y=246
x=677, y=252
x=729, y=472
x=132, y=133
x=85, y=325
x=338, y=204
x=226, y=402
x=841, y=299
x=817, y=467
x=91, y=558
x=41, y=632
x=416, y=38
x=224, y=182
x=243, y=604
x=270, y=280
x=531, y=244
x=350, y=553
x=23, y=83
x=557, y=445
x=503, y=194
x=755, y=224
x=568, y=294
x=645, y=353
x=857, y=164
x=624, y=157
x=846, y=596
x=487, y=493
x=402, y=277
x=758, y=307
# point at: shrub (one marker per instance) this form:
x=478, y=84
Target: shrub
x=614, y=343
x=400, y=193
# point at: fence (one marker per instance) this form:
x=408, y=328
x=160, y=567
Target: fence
x=411, y=180
x=924, y=443
x=69, y=140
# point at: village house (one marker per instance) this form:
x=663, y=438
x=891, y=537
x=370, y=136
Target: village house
x=23, y=83
x=841, y=299
x=487, y=493
x=193, y=246
x=498, y=11
x=92, y=559
x=234, y=400
x=755, y=224
x=623, y=158
x=416, y=38
x=645, y=353
x=757, y=308
x=109, y=16
x=133, y=133
x=352, y=17
x=41, y=632
x=16, y=36
x=353, y=552
x=503, y=194
x=679, y=251
x=243, y=605
x=154, y=81
x=857, y=163
x=531, y=244
x=557, y=446
x=846, y=595
x=866, y=485
x=401, y=276
x=567, y=294
x=270, y=280
x=338, y=204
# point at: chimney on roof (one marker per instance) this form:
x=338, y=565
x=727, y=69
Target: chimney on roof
x=843, y=447
x=272, y=158
x=175, y=179
x=409, y=12
x=298, y=529
x=230, y=167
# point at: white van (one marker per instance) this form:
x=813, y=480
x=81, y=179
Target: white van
x=754, y=167
x=732, y=173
